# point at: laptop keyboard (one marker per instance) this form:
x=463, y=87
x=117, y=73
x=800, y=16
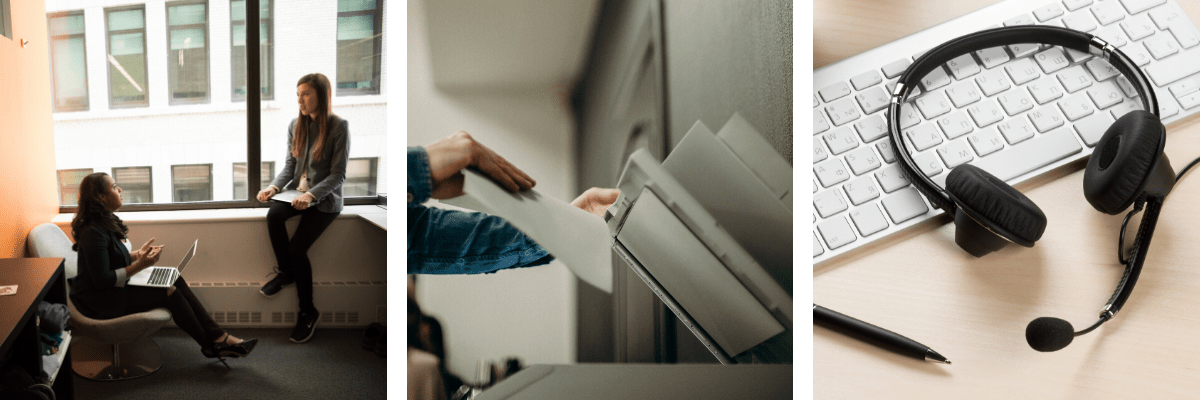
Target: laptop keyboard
x=1016, y=111
x=160, y=276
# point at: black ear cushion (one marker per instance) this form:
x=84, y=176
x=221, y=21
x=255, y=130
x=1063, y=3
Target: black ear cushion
x=996, y=201
x=1121, y=161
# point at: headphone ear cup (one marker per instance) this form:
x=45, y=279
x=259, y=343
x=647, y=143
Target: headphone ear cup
x=986, y=197
x=1122, y=161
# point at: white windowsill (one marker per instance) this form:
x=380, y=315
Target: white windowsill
x=217, y=215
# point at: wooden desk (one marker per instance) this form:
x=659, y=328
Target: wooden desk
x=37, y=279
x=974, y=311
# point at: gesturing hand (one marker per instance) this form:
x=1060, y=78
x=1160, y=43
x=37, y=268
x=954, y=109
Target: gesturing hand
x=449, y=156
x=136, y=254
x=596, y=200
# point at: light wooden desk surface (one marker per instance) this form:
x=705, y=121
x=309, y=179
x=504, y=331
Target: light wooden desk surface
x=974, y=311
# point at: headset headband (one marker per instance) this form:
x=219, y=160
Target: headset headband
x=987, y=39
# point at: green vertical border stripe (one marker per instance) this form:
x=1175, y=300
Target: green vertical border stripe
x=802, y=154
x=397, y=268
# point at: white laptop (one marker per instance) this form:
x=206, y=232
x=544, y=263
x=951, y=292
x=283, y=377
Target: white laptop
x=162, y=277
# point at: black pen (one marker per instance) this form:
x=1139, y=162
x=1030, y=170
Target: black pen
x=874, y=335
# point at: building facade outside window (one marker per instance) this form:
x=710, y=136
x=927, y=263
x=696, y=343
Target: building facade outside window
x=68, y=185
x=69, y=73
x=127, y=57
x=136, y=184
x=266, y=60
x=359, y=28
x=187, y=58
x=361, y=175
x=239, y=178
x=191, y=182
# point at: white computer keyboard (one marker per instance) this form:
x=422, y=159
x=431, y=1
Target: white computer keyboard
x=1016, y=111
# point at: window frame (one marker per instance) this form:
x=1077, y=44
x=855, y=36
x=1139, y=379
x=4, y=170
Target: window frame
x=253, y=134
x=108, y=34
x=52, y=38
x=373, y=167
x=58, y=175
x=173, y=76
x=260, y=180
x=270, y=24
x=6, y=19
x=377, y=41
x=211, y=184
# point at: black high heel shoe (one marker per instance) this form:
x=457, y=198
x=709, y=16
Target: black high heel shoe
x=221, y=350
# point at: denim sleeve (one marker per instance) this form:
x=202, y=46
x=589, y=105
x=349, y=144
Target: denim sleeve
x=455, y=242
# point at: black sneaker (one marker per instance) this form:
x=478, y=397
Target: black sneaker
x=306, y=324
x=272, y=288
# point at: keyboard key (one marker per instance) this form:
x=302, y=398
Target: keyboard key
x=1138, y=27
x=908, y=116
x=837, y=232
x=985, y=113
x=866, y=80
x=1163, y=16
x=935, y=79
x=1137, y=53
x=1051, y=60
x=1168, y=71
x=861, y=190
x=831, y=172
x=815, y=102
x=842, y=112
x=1015, y=102
x=1016, y=130
x=896, y=68
x=817, y=249
x=872, y=100
x=1092, y=128
x=962, y=94
x=829, y=202
x=1124, y=108
x=862, y=160
x=885, y=151
x=1075, y=107
x=955, y=124
x=820, y=124
x=1048, y=12
x=1030, y=154
x=834, y=91
x=1077, y=56
x=868, y=220
x=1184, y=87
x=1101, y=69
x=986, y=141
x=1166, y=107
x=1108, y=12
x=1073, y=5
x=1080, y=21
x=840, y=140
x=993, y=82
x=1161, y=45
x=1024, y=19
x=1045, y=90
x=1024, y=49
x=1189, y=101
x=992, y=57
x=1046, y=118
x=1105, y=94
x=928, y=163
x=1022, y=71
x=1185, y=33
x=819, y=153
x=1137, y=6
x=904, y=205
x=891, y=178
x=963, y=67
x=955, y=153
x=872, y=128
x=923, y=137
x=1075, y=78
x=933, y=105
x=1112, y=35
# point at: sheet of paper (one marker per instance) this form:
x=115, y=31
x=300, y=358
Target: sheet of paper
x=579, y=239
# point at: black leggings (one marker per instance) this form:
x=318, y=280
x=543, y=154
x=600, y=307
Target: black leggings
x=292, y=255
x=185, y=308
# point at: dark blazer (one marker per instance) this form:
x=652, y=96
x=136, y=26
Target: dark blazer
x=325, y=176
x=94, y=289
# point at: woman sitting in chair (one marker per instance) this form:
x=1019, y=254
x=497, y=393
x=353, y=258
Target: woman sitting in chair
x=107, y=260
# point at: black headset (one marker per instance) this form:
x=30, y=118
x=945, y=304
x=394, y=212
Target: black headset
x=1126, y=168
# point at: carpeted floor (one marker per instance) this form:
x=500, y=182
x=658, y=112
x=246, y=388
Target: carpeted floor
x=330, y=366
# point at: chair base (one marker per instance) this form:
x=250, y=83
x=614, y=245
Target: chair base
x=96, y=361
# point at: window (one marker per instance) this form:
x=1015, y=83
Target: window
x=135, y=184
x=359, y=43
x=187, y=55
x=68, y=64
x=266, y=54
x=361, y=175
x=191, y=182
x=68, y=185
x=239, y=178
x=127, y=57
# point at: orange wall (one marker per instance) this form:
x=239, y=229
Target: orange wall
x=28, y=182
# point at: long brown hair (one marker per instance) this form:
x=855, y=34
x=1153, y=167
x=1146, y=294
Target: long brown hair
x=92, y=209
x=320, y=84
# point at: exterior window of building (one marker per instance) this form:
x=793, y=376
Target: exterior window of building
x=127, y=57
x=359, y=46
x=135, y=184
x=191, y=182
x=187, y=55
x=68, y=185
x=266, y=59
x=68, y=62
x=239, y=178
x=361, y=177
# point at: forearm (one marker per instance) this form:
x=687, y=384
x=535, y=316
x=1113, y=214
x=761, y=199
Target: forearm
x=455, y=242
